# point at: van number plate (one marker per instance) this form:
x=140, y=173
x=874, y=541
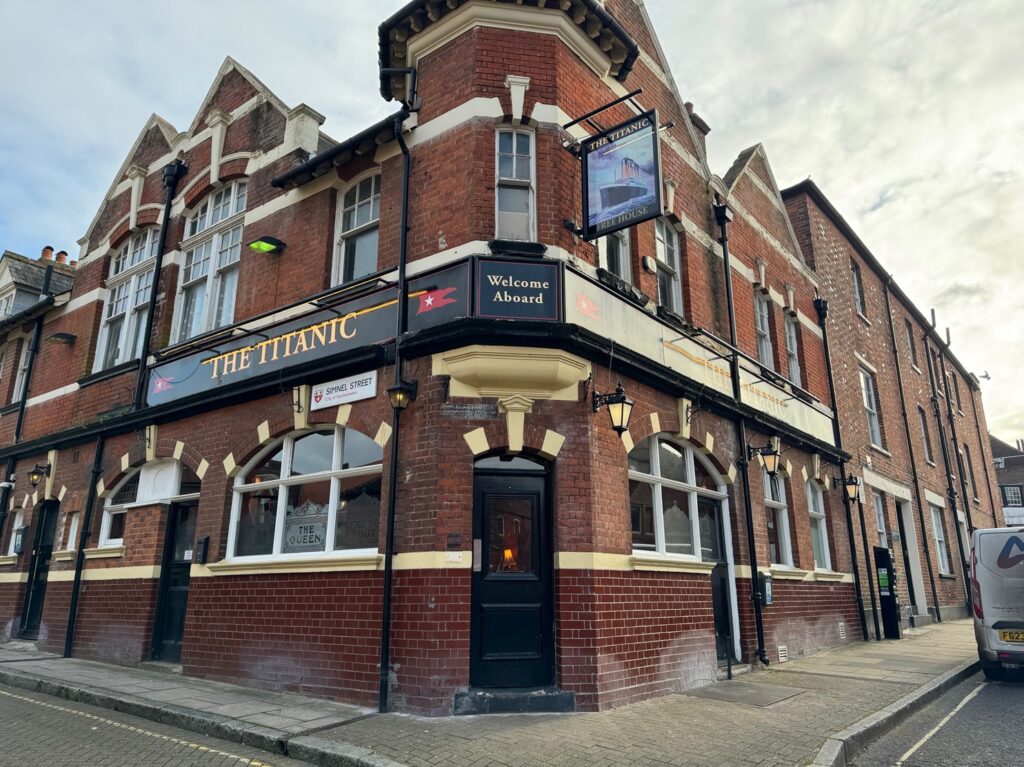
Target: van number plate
x=1011, y=636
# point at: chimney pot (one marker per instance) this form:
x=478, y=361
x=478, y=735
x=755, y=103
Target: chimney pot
x=73, y=263
x=689, y=107
x=47, y=253
x=62, y=257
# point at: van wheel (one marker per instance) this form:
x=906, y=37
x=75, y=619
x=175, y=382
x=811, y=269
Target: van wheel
x=993, y=672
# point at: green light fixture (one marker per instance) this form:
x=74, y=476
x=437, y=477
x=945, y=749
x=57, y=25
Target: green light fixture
x=267, y=245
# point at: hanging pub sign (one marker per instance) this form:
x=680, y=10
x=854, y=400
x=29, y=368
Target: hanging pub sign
x=621, y=176
x=433, y=299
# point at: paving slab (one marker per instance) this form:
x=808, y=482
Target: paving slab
x=747, y=693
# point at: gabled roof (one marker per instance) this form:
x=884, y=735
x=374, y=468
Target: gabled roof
x=29, y=273
x=227, y=67
x=1001, y=449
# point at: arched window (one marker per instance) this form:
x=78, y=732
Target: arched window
x=314, y=492
x=359, y=221
x=128, y=288
x=161, y=481
x=675, y=501
x=209, y=271
x=780, y=542
x=819, y=529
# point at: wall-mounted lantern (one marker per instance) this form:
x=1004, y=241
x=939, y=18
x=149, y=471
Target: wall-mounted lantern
x=769, y=454
x=620, y=408
x=37, y=473
x=402, y=394
x=267, y=245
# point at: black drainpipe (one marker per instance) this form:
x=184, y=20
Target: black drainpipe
x=821, y=306
x=950, y=490
x=173, y=173
x=722, y=216
x=33, y=350
x=962, y=468
x=913, y=457
x=389, y=541
x=984, y=462
x=83, y=539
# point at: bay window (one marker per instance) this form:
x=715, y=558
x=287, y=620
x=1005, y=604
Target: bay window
x=359, y=219
x=209, y=274
x=314, y=492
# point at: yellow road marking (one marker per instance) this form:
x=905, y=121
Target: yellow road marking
x=139, y=731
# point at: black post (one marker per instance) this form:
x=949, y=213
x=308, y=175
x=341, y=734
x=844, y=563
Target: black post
x=403, y=311
x=173, y=173
x=910, y=448
x=83, y=539
x=723, y=215
x=821, y=306
x=960, y=460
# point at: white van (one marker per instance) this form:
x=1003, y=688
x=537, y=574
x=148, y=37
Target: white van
x=997, y=585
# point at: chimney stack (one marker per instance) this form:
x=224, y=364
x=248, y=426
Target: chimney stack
x=47, y=253
x=73, y=263
x=62, y=257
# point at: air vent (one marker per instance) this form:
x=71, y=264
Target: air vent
x=842, y=631
x=783, y=653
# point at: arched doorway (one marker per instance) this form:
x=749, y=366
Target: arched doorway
x=512, y=636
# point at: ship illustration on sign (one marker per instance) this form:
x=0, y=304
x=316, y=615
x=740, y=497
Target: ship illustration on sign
x=629, y=185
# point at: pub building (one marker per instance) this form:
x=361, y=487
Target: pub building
x=509, y=392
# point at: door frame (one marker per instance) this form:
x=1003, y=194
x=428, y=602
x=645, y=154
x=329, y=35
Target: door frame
x=46, y=507
x=545, y=472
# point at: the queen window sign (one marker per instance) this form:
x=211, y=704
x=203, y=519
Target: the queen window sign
x=621, y=177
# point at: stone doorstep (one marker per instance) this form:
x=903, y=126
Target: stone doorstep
x=541, y=700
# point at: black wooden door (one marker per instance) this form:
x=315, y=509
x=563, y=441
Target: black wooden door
x=886, y=579
x=39, y=568
x=712, y=540
x=172, y=599
x=512, y=632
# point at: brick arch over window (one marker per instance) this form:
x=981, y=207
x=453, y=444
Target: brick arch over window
x=644, y=426
x=166, y=449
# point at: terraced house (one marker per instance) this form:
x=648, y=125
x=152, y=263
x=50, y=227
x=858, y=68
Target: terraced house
x=309, y=408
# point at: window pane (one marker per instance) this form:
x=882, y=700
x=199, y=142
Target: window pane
x=227, y=286
x=312, y=453
x=358, y=513
x=360, y=255
x=513, y=213
x=256, y=522
x=193, y=306
x=818, y=541
x=678, y=530
x=666, y=289
x=113, y=351
x=641, y=509
x=703, y=478
x=640, y=458
x=267, y=469
x=505, y=143
x=240, y=197
x=138, y=323
x=230, y=247
x=673, y=461
x=510, y=535
x=505, y=166
x=709, y=517
x=128, y=493
x=305, y=518
x=186, y=533
x=774, y=537
x=360, y=450
x=116, y=526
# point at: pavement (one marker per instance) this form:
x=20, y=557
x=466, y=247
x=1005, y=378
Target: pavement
x=822, y=709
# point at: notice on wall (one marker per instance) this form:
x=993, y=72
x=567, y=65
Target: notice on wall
x=343, y=390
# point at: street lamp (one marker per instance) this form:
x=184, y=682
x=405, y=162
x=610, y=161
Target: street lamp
x=851, y=486
x=620, y=408
x=769, y=454
x=401, y=394
x=38, y=473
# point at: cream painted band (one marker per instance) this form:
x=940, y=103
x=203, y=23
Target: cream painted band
x=13, y=577
x=794, y=574
x=417, y=560
x=137, y=573
x=595, y=560
x=433, y=560
x=11, y=559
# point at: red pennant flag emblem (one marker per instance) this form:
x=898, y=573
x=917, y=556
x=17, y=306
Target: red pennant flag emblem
x=586, y=307
x=434, y=299
x=161, y=384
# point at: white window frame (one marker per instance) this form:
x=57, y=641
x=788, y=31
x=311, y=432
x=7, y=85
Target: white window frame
x=110, y=510
x=625, y=271
x=1014, y=498
x=818, y=524
x=518, y=183
x=7, y=302
x=666, y=250
x=657, y=482
x=339, y=267
x=970, y=471
x=131, y=269
x=941, y=546
x=763, y=327
x=878, y=504
x=793, y=349
x=777, y=511
x=858, y=290
x=869, y=400
x=335, y=475
x=217, y=238
x=72, y=522
x=923, y=417
x=911, y=343
x=22, y=371
x=17, y=521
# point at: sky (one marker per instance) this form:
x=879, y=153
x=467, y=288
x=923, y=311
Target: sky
x=909, y=115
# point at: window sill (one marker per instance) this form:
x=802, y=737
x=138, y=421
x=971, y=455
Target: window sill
x=864, y=319
x=879, y=449
x=930, y=463
x=787, y=573
x=103, y=375
x=916, y=369
x=667, y=564
x=9, y=559
x=828, y=575
x=303, y=565
x=948, y=576
x=64, y=556
x=105, y=552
